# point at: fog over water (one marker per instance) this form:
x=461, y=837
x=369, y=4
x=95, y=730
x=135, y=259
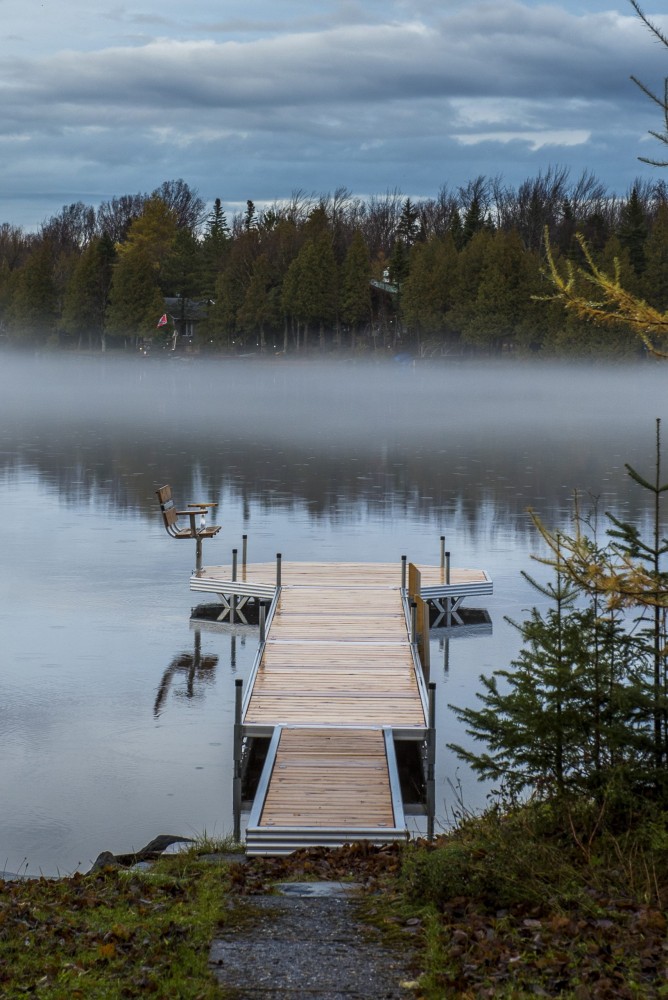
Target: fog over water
x=339, y=460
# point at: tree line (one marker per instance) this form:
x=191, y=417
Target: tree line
x=464, y=271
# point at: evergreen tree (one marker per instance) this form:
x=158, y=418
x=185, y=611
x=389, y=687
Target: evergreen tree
x=428, y=292
x=215, y=247
x=33, y=312
x=474, y=220
x=629, y=574
x=399, y=262
x=501, y=293
x=183, y=272
x=310, y=287
x=408, y=227
x=222, y=325
x=87, y=293
x=646, y=555
x=469, y=275
x=250, y=221
x=259, y=311
x=562, y=721
x=654, y=286
x=633, y=231
x=355, y=287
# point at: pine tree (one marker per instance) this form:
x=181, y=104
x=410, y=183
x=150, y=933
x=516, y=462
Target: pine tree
x=310, y=292
x=355, y=287
x=428, y=293
x=258, y=311
x=628, y=575
x=654, y=287
x=646, y=556
x=562, y=720
x=633, y=231
x=33, y=312
x=215, y=247
x=87, y=293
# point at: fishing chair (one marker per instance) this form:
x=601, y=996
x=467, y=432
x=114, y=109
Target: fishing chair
x=196, y=514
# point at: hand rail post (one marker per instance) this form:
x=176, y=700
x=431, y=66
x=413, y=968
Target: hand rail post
x=244, y=551
x=448, y=600
x=431, y=762
x=278, y=568
x=233, y=602
x=238, y=741
x=442, y=552
x=404, y=560
x=413, y=622
x=263, y=622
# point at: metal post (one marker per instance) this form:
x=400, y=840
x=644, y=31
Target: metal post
x=198, y=553
x=236, y=784
x=431, y=762
x=278, y=569
x=403, y=572
x=413, y=621
x=233, y=652
x=442, y=551
x=233, y=602
x=447, y=567
x=263, y=621
x=244, y=551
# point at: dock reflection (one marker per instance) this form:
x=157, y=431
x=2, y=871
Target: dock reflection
x=196, y=669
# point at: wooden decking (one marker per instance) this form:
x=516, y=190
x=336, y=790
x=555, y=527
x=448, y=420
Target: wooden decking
x=336, y=679
x=337, y=654
x=346, y=772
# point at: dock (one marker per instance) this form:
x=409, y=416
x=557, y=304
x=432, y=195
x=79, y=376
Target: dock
x=339, y=685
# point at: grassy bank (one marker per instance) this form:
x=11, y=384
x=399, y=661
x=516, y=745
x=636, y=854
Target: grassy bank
x=510, y=905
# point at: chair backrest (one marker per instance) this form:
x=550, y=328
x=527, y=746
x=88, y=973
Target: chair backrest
x=169, y=516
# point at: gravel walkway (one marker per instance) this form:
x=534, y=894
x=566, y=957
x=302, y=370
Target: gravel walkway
x=308, y=943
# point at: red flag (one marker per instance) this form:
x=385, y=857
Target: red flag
x=163, y=320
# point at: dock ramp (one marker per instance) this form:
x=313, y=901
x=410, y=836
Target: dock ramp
x=326, y=786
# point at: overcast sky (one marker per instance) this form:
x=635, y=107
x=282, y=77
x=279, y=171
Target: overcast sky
x=260, y=98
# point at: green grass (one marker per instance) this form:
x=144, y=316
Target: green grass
x=114, y=933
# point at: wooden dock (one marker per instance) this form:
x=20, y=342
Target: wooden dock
x=336, y=680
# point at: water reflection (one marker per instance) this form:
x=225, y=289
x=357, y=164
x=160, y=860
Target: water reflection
x=194, y=670
x=334, y=441
x=339, y=463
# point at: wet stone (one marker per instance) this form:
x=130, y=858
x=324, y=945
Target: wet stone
x=317, y=889
x=308, y=946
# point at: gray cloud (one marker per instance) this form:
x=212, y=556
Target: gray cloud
x=479, y=88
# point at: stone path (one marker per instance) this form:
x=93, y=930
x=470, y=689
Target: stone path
x=308, y=942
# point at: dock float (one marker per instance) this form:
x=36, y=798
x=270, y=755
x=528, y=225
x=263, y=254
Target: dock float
x=337, y=681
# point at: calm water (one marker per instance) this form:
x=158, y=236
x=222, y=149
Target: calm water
x=107, y=736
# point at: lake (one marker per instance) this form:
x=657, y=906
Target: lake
x=109, y=735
